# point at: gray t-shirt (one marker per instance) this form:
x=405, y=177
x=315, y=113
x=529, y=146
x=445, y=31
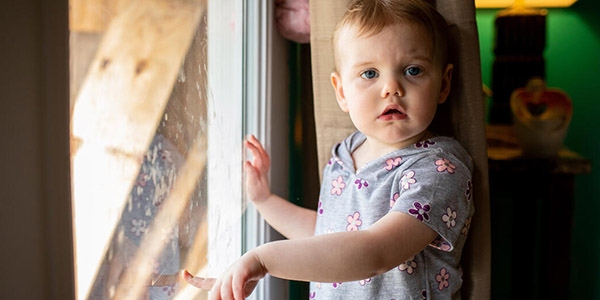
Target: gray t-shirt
x=431, y=181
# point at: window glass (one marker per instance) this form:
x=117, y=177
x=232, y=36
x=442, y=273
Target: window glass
x=156, y=132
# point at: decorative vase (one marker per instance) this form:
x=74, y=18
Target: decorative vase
x=541, y=117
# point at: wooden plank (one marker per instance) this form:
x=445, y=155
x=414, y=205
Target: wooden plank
x=117, y=112
x=93, y=15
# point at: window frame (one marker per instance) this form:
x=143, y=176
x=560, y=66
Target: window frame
x=266, y=81
x=264, y=60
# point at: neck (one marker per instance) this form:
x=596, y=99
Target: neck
x=373, y=149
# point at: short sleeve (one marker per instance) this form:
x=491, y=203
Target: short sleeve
x=436, y=189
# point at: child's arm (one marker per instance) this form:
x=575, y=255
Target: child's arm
x=337, y=257
x=288, y=219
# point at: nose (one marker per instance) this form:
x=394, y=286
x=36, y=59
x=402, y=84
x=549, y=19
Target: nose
x=392, y=87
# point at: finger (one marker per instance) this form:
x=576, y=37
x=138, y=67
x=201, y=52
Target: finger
x=199, y=282
x=251, y=171
x=226, y=292
x=260, y=158
x=249, y=288
x=215, y=292
x=238, y=288
x=258, y=146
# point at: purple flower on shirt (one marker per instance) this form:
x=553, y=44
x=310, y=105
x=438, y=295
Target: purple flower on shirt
x=420, y=211
x=424, y=144
x=469, y=191
x=361, y=183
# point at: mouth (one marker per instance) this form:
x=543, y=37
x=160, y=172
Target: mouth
x=392, y=113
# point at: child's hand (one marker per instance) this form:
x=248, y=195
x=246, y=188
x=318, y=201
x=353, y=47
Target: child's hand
x=237, y=282
x=257, y=184
x=199, y=282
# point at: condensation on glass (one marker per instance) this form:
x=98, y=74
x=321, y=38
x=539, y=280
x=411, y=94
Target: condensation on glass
x=139, y=135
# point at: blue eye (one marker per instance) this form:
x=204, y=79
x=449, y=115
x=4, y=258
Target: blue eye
x=369, y=74
x=413, y=71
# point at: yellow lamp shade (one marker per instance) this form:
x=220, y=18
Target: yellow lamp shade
x=526, y=3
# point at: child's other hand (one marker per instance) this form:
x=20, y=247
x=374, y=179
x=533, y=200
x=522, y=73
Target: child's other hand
x=237, y=282
x=199, y=282
x=257, y=184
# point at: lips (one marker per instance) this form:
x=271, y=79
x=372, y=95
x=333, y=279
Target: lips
x=392, y=112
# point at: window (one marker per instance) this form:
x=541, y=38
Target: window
x=163, y=93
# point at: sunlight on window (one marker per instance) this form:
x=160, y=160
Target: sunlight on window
x=140, y=135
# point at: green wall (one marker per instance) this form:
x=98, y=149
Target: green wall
x=572, y=64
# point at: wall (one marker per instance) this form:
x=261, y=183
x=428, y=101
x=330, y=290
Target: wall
x=36, y=253
x=572, y=64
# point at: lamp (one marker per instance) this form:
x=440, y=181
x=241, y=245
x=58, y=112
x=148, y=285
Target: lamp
x=519, y=46
x=526, y=3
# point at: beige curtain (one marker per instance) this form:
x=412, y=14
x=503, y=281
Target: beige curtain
x=462, y=116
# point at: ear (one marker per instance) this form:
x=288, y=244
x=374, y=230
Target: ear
x=336, y=82
x=446, y=83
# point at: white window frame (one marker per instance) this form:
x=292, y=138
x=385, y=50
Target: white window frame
x=267, y=81
x=263, y=60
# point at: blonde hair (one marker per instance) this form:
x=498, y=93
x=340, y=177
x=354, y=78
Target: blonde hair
x=370, y=17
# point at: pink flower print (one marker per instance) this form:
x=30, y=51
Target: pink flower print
x=361, y=183
x=420, y=211
x=408, y=266
x=169, y=290
x=364, y=281
x=469, y=190
x=466, y=227
x=312, y=295
x=442, y=279
x=408, y=179
x=165, y=155
x=394, y=198
x=354, y=222
x=391, y=163
x=169, y=236
x=449, y=217
x=158, y=200
x=424, y=144
x=155, y=267
x=445, y=165
x=441, y=243
x=139, y=227
x=320, y=207
x=142, y=179
x=334, y=160
x=336, y=284
x=338, y=185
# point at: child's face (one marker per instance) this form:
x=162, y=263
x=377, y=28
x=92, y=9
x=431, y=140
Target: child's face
x=389, y=82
